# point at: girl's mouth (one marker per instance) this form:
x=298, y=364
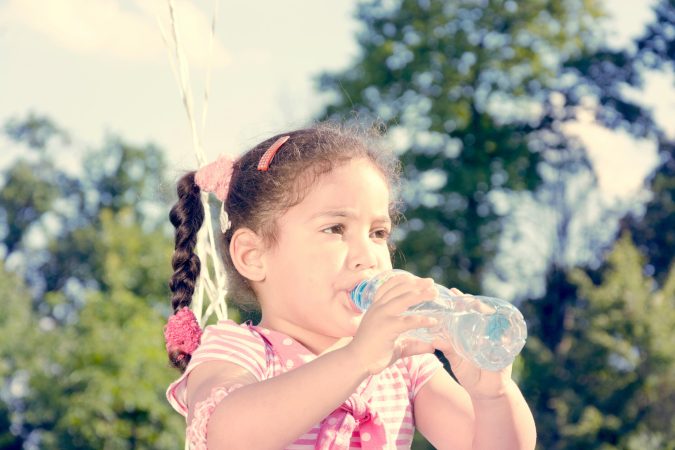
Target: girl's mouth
x=351, y=305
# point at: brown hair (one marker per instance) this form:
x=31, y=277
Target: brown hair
x=256, y=199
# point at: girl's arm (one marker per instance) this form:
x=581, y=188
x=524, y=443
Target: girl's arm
x=504, y=420
x=444, y=413
x=275, y=412
x=487, y=412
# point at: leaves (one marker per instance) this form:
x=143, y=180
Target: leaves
x=479, y=94
x=82, y=350
x=609, y=375
x=477, y=97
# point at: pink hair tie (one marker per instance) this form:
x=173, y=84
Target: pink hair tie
x=182, y=332
x=266, y=158
x=215, y=177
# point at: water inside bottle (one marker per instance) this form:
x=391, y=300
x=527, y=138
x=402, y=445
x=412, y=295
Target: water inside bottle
x=492, y=340
x=496, y=327
x=486, y=330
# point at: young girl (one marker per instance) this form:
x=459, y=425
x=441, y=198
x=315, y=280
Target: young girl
x=310, y=217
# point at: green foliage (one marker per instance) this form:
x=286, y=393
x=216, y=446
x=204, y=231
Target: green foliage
x=113, y=376
x=128, y=182
x=608, y=379
x=654, y=232
x=656, y=48
x=35, y=130
x=17, y=328
x=126, y=176
x=476, y=94
x=31, y=185
x=95, y=383
x=21, y=206
x=83, y=351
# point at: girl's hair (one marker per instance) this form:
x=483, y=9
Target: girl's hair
x=256, y=199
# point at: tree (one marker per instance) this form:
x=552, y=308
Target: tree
x=476, y=95
x=111, y=365
x=83, y=347
x=656, y=47
x=608, y=383
x=117, y=177
x=17, y=326
x=20, y=208
x=98, y=381
x=654, y=230
x=553, y=314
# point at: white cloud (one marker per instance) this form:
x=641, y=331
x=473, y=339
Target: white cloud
x=118, y=29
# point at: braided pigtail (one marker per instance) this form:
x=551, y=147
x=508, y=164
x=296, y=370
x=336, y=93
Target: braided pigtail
x=187, y=216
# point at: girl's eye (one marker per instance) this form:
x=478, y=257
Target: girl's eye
x=381, y=233
x=334, y=229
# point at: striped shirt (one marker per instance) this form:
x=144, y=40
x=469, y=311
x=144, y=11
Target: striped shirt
x=390, y=392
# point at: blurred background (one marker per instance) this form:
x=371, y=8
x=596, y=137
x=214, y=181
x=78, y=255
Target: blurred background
x=538, y=141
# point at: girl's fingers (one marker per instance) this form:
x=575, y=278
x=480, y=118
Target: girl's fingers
x=413, y=298
x=412, y=346
x=405, y=296
x=412, y=321
x=395, y=286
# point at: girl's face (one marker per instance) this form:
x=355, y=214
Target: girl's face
x=333, y=239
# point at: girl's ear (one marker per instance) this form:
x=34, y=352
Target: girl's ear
x=246, y=251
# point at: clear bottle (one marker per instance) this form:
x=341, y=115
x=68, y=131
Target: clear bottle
x=486, y=330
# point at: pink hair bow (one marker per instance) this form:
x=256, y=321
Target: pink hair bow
x=215, y=177
x=182, y=332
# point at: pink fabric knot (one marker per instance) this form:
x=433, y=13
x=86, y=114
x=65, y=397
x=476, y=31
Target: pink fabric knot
x=357, y=408
x=182, y=332
x=354, y=414
x=215, y=177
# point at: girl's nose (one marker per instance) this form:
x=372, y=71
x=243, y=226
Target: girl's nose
x=362, y=255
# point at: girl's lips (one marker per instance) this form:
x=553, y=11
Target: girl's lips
x=351, y=305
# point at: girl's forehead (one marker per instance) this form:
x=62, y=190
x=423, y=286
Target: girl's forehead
x=355, y=174
x=357, y=183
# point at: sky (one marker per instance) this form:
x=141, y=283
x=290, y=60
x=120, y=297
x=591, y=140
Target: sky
x=100, y=67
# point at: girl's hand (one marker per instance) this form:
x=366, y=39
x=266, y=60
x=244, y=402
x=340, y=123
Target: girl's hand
x=378, y=342
x=477, y=382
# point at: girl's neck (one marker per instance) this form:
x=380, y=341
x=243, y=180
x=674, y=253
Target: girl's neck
x=313, y=342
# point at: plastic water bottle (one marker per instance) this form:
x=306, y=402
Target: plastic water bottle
x=486, y=330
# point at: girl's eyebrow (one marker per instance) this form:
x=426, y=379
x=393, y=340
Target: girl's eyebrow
x=346, y=213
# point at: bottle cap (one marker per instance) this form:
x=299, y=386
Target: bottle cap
x=355, y=294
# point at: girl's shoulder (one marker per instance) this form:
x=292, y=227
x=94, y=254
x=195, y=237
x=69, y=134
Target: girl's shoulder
x=225, y=341
x=232, y=342
x=229, y=335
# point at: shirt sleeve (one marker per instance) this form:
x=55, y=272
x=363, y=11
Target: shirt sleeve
x=420, y=369
x=226, y=341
